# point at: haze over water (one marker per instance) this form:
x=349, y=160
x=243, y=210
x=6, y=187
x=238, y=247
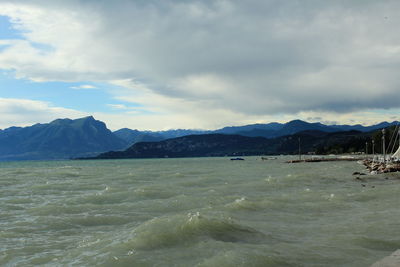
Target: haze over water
x=195, y=212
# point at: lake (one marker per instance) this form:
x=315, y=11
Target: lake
x=196, y=212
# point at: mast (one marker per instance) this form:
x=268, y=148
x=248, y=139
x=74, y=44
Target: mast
x=299, y=150
x=396, y=155
x=373, y=149
x=398, y=135
x=383, y=146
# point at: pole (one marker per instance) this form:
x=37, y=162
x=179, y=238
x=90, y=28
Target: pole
x=366, y=150
x=373, y=149
x=383, y=146
x=299, y=150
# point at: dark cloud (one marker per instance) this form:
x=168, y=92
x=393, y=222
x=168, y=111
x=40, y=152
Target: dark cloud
x=253, y=57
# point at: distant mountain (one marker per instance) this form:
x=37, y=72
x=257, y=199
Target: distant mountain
x=208, y=145
x=86, y=137
x=270, y=130
x=181, y=132
x=359, y=127
x=272, y=127
x=297, y=126
x=135, y=136
x=60, y=139
x=275, y=129
x=259, y=133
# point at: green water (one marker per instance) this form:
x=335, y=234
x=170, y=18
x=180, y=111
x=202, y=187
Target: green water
x=195, y=212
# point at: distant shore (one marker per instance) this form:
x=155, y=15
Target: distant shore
x=323, y=159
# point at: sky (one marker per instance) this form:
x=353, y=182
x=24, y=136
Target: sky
x=168, y=64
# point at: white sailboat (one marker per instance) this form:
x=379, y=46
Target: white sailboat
x=396, y=155
x=389, y=161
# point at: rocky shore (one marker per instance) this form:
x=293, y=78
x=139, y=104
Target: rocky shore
x=376, y=167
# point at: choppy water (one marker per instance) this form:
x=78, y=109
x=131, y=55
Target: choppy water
x=195, y=212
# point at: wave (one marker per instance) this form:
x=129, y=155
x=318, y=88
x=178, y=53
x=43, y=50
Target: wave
x=154, y=192
x=180, y=230
x=377, y=244
x=244, y=204
x=79, y=221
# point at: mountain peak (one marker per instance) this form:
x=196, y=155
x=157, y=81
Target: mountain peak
x=296, y=122
x=86, y=119
x=89, y=118
x=60, y=139
x=57, y=121
x=78, y=122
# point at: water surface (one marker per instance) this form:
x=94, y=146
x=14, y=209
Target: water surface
x=196, y=212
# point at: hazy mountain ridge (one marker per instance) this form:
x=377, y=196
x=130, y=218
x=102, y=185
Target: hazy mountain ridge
x=59, y=139
x=135, y=136
x=220, y=145
x=270, y=130
x=86, y=137
x=206, y=145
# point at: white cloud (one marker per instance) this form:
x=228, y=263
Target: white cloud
x=118, y=106
x=84, y=87
x=26, y=112
x=209, y=63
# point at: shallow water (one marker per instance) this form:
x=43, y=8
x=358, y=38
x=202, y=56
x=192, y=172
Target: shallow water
x=196, y=212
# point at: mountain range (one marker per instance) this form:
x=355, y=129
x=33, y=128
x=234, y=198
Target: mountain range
x=87, y=137
x=270, y=130
x=213, y=145
x=219, y=145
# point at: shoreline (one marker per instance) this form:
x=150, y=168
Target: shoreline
x=322, y=159
x=381, y=167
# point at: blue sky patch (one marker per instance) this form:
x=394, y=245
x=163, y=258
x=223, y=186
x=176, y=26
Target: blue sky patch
x=61, y=94
x=44, y=48
x=7, y=31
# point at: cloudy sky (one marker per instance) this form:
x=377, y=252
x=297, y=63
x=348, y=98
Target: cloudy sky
x=162, y=64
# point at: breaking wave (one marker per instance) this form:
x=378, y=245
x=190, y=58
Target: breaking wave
x=180, y=230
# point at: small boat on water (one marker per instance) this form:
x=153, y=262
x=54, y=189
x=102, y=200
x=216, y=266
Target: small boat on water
x=268, y=158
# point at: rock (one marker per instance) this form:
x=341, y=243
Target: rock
x=358, y=173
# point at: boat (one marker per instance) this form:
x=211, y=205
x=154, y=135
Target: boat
x=389, y=161
x=237, y=158
x=268, y=158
